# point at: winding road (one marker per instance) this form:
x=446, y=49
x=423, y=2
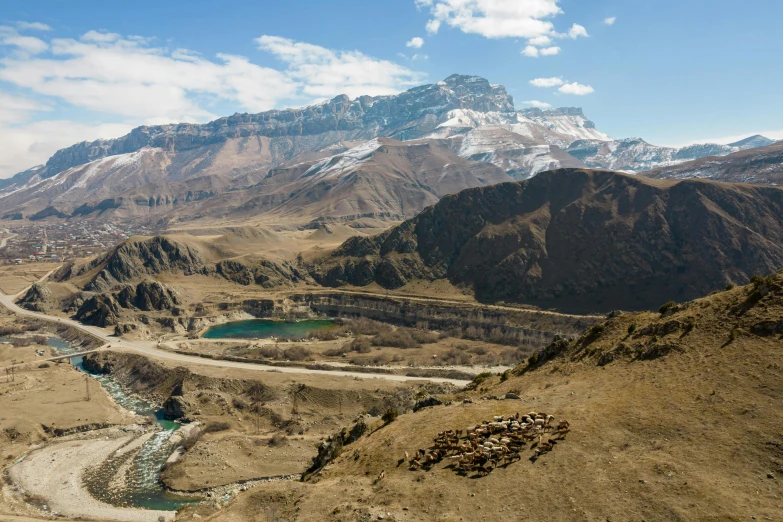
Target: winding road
x=148, y=349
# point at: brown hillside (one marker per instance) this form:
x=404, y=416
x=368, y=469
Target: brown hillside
x=683, y=424
x=577, y=240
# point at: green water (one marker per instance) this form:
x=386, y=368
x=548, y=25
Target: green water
x=264, y=328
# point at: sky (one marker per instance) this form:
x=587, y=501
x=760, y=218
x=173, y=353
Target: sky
x=672, y=72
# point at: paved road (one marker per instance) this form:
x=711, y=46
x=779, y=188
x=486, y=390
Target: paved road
x=4, y=241
x=148, y=349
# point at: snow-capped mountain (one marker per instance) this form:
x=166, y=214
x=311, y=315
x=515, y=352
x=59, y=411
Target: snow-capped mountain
x=156, y=170
x=752, y=165
x=636, y=155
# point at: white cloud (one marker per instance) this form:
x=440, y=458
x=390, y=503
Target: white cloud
x=32, y=144
x=540, y=41
x=33, y=26
x=26, y=45
x=530, y=51
x=420, y=56
x=546, y=82
x=432, y=26
x=538, y=104
x=416, y=42
x=320, y=72
x=129, y=80
x=576, y=31
x=576, y=88
x=610, y=21
x=550, y=51
x=17, y=109
x=494, y=18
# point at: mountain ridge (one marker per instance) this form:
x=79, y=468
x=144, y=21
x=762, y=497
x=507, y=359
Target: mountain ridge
x=576, y=240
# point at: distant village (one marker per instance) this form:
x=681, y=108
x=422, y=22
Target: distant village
x=58, y=242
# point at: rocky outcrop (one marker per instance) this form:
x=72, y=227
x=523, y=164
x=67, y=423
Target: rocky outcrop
x=268, y=274
x=38, y=298
x=148, y=296
x=99, y=310
x=136, y=258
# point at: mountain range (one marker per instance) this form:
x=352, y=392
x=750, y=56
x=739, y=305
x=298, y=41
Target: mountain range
x=383, y=157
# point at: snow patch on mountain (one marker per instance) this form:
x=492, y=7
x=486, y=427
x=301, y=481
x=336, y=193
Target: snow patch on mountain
x=343, y=163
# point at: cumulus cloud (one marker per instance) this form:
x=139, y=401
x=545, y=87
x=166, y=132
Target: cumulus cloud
x=535, y=52
x=416, y=42
x=538, y=104
x=494, y=18
x=124, y=81
x=577, y=31
x=576, y=88
x=528, y=19
x=546, y=82
x=610, y=21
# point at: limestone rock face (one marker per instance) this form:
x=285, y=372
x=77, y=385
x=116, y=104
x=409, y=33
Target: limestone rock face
x=38, y=298
x=148, y=296
x=99, y=310
x=137, y=258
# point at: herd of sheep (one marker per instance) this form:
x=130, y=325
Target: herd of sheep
x=491, y=443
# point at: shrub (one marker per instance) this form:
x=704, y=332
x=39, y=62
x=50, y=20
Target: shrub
x=44, y=365
x=217, y=426
x=455, y=357
x=594, y=333
x=730, y=286
x=362, y=345
x=390, y=415
x=504, y=376
x=270, y=352
x=297, y=353
x=278, y=439
x=666, y=307
x=631, y=328
x=5, y=331
x=336, y=352
x=481, y=378
x=424, y=337
x=238, y=403
x=396, y=339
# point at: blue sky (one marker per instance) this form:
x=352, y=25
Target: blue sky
x=671, y=72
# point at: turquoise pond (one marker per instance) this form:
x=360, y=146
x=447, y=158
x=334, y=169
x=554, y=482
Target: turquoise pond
x=265, y=328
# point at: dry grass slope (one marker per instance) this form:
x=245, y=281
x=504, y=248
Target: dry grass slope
x=682, y=422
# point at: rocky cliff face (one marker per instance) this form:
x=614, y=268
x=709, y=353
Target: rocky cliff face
x=577, y=240
x=137, y=258
x=394, y=116
x=38, y=298
x=148, y=296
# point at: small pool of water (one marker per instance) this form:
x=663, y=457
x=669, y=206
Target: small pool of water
x=265, y=328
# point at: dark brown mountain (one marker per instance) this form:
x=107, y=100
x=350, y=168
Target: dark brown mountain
x=760, y=165
x=577, y=240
